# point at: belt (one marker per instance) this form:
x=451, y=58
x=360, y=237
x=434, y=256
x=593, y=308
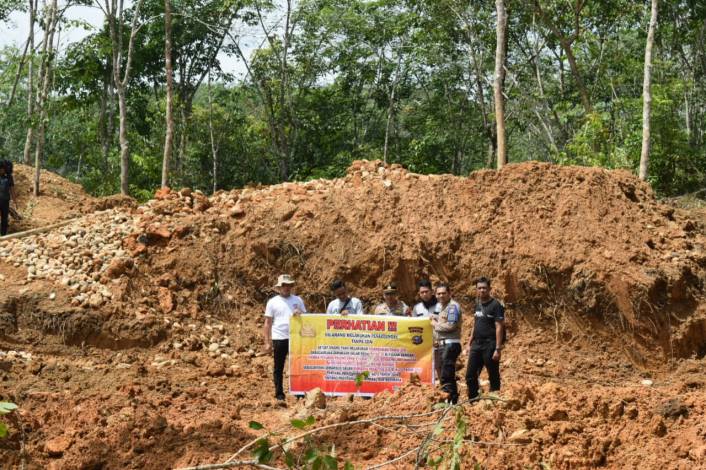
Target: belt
x=449, y=341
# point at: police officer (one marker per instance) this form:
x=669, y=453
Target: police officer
x=392, y=304
x=447, y=334
x=343, y=303
x=487, y=339
x=278, y=312
x=426, y=308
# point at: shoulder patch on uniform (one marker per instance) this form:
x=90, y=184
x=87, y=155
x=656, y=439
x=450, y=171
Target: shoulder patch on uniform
x=453, y=314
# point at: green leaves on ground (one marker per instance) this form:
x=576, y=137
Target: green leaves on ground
x=5, y=408
x=303, y=424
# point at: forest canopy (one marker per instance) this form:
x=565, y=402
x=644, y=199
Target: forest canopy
x=325, y=82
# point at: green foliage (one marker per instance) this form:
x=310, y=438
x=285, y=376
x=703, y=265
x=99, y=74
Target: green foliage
x=5, y=408
x=360, y=378
x=310, y=456
x=322, y=97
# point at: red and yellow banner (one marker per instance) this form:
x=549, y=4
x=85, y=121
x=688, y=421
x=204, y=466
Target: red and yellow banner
x=329, y=351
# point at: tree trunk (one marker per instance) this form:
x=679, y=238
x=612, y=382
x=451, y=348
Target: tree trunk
x=585, y=99
x=27, y=156
x=121, y=76
x=169, y=137
x=124, y=143
x=18, y=74
x=565, y=43
x=390, y=109
x=214, y=149
x=44, y=85
x=647, y=94
x=107, y=117
x=500, y=46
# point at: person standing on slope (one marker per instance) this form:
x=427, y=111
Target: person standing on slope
x=278, y=312
x=7, y=194
x=427, y=307
x=392, y=304
x=486, y=340
x=447, y=334
x=343, y=303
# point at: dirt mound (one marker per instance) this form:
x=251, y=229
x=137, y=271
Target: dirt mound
x=585, y=247
x=59, y=200
x=130, y=338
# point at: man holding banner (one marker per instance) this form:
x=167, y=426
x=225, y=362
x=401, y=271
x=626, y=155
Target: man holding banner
x=447, y=334
x=278, y=312
x=343, y=304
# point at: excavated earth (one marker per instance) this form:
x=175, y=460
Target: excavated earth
x=130, y=338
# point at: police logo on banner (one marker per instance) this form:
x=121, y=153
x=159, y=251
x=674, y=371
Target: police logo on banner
x=416, y=333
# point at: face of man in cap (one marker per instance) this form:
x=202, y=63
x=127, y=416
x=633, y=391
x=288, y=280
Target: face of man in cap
x=390, y=295
x=285, y=290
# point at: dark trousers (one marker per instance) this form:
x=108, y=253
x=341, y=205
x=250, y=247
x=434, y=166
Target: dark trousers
x=448, y=370
x=4, y=215
x=280, y=348
x=482, y=355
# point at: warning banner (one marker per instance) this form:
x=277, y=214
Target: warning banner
x=330, y=351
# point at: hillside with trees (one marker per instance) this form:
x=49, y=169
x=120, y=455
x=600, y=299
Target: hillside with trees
x=313, y=85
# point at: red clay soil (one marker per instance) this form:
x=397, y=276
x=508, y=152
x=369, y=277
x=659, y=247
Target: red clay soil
x=59, y=200
x=131, y=338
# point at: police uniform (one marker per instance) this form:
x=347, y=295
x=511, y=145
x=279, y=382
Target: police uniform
x=400, y=309
x=483, y=346
x=447, y=335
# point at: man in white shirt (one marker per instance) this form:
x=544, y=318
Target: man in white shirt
x=343, y=303
x=426, y=307
x=279, y=310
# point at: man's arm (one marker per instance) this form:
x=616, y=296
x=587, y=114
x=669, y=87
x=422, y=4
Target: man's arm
x=13, y=196
x=267, y=333
x=453, y=321
x=445, y=327
x=499, y=329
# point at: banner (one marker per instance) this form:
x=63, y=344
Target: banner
x=330, y=351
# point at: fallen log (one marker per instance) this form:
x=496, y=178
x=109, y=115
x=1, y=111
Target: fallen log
x=35, y=231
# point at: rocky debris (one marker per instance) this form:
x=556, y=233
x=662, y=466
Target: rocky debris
x=216, y=370
x=57, y=446
x=16, y=356
x=659, y=429
x=521, y=436
x=673, y=408
x=166, y=299
x=75, y=256
x=315, y=399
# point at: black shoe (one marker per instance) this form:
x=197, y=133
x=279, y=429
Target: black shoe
x=280, y=397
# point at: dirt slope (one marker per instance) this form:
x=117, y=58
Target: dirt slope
x=131, y=338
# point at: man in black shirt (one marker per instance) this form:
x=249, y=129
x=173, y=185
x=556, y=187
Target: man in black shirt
x=487, y=339
x=7, y=193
